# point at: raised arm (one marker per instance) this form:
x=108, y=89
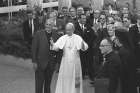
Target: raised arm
x=54, y=46
x=59, y=44
x=84, y=46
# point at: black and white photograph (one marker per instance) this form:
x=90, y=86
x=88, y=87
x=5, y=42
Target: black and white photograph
x=69, y=46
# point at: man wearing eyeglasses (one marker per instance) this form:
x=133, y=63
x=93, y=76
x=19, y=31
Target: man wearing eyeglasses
x=110, y=65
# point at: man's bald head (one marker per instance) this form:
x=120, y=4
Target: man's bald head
x=48, y=25
x=70, y=28
x=106, y=41
x=106, y=46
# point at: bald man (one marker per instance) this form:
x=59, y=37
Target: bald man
x=111, y=65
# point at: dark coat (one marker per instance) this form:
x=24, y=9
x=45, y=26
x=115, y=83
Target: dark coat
x=125, y=38
x=111, y=70
x=41, y=53
x=88, y=34
x=135, y=35
x=112, y=65
x=128, y=71
x=27, y=31
x=134, y=32
x=101, y=34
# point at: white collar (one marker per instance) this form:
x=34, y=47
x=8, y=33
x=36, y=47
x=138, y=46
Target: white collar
x=138, y=25
x=81, y=25
x=131, y=25
x=113, y=37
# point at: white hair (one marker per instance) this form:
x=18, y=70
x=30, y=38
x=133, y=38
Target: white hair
x=70, y=24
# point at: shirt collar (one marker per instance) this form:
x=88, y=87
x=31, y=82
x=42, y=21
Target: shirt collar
x=81, y=25
x=131, y=25
x=138, y=25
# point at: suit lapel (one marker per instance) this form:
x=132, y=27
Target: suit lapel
x=80, y=29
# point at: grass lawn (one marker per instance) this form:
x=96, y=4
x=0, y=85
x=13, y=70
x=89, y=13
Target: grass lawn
x=11, y=39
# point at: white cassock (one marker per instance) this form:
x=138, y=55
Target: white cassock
x=70, y=72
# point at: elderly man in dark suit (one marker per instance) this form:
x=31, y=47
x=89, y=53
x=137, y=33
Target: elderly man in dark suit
x=111, y=65
x=43, y=58
x=86, y=32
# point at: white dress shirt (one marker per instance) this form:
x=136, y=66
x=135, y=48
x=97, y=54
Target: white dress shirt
x=31, y=23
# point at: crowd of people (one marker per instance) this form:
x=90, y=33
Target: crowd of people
x=110, y=40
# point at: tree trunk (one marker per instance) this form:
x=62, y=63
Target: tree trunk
x=134, y=4
x=64, y=3
x=32, y=3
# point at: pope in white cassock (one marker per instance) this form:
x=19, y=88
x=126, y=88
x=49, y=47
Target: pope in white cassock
x=70, y=72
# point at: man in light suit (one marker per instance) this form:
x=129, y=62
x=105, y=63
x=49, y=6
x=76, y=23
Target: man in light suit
x=43, y=58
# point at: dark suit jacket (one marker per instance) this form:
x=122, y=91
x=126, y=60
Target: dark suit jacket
x=128, y=62
x=88, y=34
x=111, y=70
x=101, y=34
x=41, y=53
x=128, y=70
x=134, y=32
x=112, y=65
x=27, y=31
x=125, y=38
x=135, y=35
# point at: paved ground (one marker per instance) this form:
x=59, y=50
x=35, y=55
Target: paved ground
x=17, y=76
